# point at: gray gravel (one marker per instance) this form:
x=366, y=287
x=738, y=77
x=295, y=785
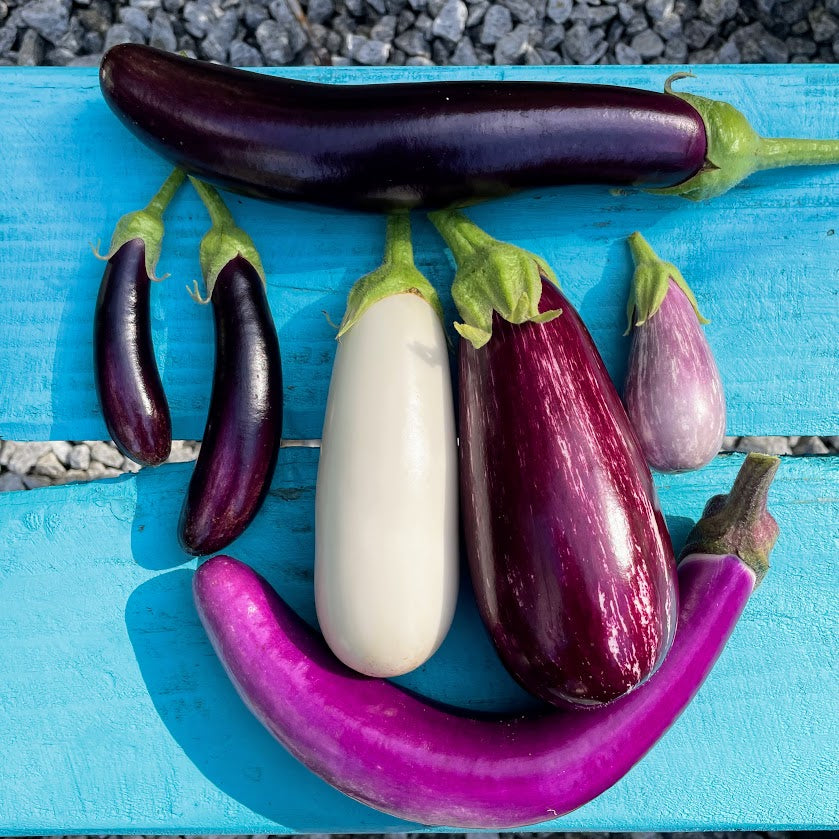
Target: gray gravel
x=420, y=32
x=32, y=465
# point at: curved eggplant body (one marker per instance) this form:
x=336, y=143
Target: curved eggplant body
x=570, y=558
x=244, y=423
x=415, y=760
x=397, y=146
x=386, y=514
x=673, y=392
x=128, y=384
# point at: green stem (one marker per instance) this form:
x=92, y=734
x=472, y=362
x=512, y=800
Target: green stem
x=146, y=224
x=223, y=242
x=773, y=153
x=734, y=150
x=491, y=276
x=166, y=193
x=739, y=523
x=396, y=275
x=651, y=282
x=219, y=213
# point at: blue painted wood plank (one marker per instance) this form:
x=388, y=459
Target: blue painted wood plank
x=761, y=259
x=116, y=716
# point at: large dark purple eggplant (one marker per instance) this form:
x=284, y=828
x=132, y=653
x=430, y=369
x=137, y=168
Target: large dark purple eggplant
x=569, y=554
x=430, y=145
x=244, y=423
x=128, y=384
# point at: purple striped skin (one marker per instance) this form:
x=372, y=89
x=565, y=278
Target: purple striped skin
x=673, y=392
x=570, y=558
x=128, y=383
x=397, y=146
x=418, y=761
x=244, y=423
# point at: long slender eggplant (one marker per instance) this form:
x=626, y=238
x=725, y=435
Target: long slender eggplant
x=415, y=760
x=673, y=392
x=430, y=145
x=128, y=382
x=569, y=554
x=244, y=424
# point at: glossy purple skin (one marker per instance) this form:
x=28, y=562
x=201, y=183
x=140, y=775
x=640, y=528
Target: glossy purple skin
x=396, y=146
x=419, y=761
x=244, y=423
x=673, y=392
x=128, y=383
x=570, y=558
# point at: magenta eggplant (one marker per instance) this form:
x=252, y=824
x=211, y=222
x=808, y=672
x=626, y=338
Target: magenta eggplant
x=570, y=559
x=128, y=383
x=396, y=146
x=242, y=436
x=673, y=392
x=418, y=761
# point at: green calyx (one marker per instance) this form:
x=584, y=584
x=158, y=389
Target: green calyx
x=650, y=284
x=491, y=276
x=396, y=275
x=221, y=243
x=735, y=150
x=739, y=523
x=146, y=224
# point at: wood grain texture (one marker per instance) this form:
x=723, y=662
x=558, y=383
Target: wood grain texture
x=117, y=717
x=762, y=259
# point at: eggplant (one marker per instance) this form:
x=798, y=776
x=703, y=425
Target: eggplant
x=416, y=760
x=429, y=144
x=673, y=392
x=569, y=555
x=128, y=384
x=242, y=436
x=386, y=522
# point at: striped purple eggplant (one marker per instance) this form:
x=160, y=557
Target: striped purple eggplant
x=242, y=436
x=673, y=392
x=128, y=383
x=436, y=144
x=570, y=558
x=393, y=750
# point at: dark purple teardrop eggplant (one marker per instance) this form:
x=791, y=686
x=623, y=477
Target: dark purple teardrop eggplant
x=128, y=383
x=244, y=423
x=569, y=554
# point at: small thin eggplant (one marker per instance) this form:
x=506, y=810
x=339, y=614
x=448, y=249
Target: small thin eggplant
x=386, y=524
x=569, y=554
x=128, y=384
x=433, y=144
x=244, y=424
x=673, y=392
x=411, y=758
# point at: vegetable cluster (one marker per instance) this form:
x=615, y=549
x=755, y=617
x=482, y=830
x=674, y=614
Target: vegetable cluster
x=571, y=564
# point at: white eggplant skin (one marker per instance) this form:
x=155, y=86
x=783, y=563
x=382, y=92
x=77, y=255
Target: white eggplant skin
x=673, y=392
x=386, y=509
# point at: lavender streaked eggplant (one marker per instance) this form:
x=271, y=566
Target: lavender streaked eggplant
x=569, y=554
x=673, y=392
x=416, y=760
x=431, y=145
x=242, y=436
x=128, y=383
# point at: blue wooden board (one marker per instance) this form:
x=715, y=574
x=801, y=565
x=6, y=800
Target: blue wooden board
x=117, y=717
x=761, y=259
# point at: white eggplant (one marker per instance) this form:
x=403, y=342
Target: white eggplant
x=386, y=517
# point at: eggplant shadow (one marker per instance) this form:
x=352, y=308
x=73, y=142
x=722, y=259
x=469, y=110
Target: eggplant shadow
x=203, y=713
